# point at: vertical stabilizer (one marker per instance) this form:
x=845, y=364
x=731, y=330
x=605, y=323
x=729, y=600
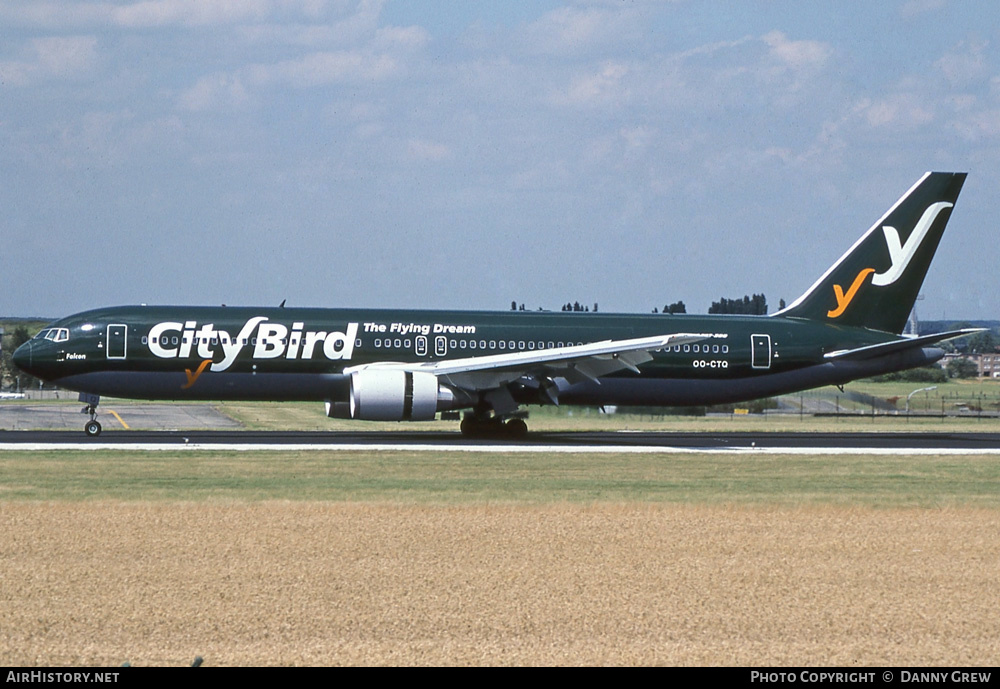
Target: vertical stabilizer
x=875, y=284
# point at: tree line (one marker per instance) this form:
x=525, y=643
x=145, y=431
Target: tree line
x=10, y=377
x=755, y=305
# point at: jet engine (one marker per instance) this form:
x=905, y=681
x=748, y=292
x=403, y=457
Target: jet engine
x=392, y=395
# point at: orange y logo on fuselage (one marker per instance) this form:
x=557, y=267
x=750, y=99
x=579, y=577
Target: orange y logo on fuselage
x=844, y=299
x=192, y=377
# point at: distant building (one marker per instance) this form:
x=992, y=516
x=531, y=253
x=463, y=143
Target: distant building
x=987, y=365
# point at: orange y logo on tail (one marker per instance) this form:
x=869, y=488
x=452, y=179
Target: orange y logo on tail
x=844, y=299
x=900, y=256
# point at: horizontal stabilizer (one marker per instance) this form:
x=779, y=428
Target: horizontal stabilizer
x=876, y=350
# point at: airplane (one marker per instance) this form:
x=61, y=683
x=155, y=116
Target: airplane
x=403, y=365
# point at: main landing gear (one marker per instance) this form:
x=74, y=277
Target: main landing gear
x=93, y=427
x=484, y=426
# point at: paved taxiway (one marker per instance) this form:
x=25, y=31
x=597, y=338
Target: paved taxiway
x=59, y=427
x=640, y=442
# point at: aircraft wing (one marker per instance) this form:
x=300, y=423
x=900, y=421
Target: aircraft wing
x=573, y=364
x=875, y=350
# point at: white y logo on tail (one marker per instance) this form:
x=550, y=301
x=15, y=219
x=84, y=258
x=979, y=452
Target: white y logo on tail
x=901, y=255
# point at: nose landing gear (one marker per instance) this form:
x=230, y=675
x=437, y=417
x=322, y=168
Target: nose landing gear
x=93, y=427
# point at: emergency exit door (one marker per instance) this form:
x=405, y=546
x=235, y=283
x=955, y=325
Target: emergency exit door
x=116, y=341
x=760, y=351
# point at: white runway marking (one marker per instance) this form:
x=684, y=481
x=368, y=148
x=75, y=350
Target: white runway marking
x=501, y=448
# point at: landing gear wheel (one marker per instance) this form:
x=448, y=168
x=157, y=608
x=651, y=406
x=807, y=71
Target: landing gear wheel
x=516, y=428
x=486, y=427
x=493, y=427
x=93, y=428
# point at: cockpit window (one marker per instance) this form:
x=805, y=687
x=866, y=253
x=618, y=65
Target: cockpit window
x=54, y=334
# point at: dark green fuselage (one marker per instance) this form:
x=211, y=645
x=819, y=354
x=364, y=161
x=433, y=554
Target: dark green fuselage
x=240, y=353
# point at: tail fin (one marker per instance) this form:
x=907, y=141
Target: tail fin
x=875, y=284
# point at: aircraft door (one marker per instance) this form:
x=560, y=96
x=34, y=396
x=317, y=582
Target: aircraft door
x=440, y=345
x=760, y=351
x=421, y=345
x=116, y=341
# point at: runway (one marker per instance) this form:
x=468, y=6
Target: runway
x=552, y=442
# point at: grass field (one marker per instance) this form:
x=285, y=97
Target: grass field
x=517, y=478
x=335, y=558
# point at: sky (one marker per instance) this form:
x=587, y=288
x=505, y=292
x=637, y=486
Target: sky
x=468, y=154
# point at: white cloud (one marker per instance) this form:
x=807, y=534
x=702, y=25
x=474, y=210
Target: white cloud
x=977, y=126
x=902, y=110
x=54, y=57
x=405, y=38
x=58, y=14
x=419, y=149
x=214, y=91
x=325, y=68
x=191, y=12
x=572, y=30
x=965, y=64
x=604, y=86
x=912, y=8
x=797, y=54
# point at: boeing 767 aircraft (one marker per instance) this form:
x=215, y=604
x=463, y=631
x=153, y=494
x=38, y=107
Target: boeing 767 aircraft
x=403, y=365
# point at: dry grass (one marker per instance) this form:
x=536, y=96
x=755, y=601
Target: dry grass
x=280, y=582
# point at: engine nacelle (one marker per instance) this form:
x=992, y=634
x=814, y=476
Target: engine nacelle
x=392, y=395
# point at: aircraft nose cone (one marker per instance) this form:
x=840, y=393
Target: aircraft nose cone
x=22, y=357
